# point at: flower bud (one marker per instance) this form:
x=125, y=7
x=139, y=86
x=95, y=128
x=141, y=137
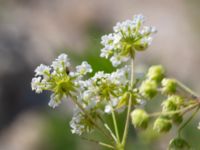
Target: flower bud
x=156, y=73
x=169, y=105
x=169, y=86
x=148, y=88
x=162, y=125
x=173, y=102
x=139, y=118
x=178, y=144
x=177, y=118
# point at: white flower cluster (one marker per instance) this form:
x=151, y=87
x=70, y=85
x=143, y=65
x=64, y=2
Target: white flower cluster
x=105, y=89
x=128, y=37
x=58, y=79
x=79, y=123
x=199, y=126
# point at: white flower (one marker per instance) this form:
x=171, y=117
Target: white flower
x=146, y=40
x=147, y=30
x=55, y=100
x=64, y=59
x=106, y=52
x=108, y=109
x=84, y=68
x=79, y=124
x=115, y=60
x=199, y=126
x=76, y=127
x=60, y=80
x=128, y=37
x=61, y=63
x=36, y=84
x=42, y=70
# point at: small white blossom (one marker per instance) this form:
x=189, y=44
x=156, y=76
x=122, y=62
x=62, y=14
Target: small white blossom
x=115, y=60
x=36, y=84
x=108, y=109
x=54, y=100
x=61, y=63
x=42, y=70
x=84, y=68
x=79, y=124
x=199, y=126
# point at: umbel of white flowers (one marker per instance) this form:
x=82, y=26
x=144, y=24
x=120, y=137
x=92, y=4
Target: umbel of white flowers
x=102, y=89
x=103, y=92
x=57, y=79
x=128, y=37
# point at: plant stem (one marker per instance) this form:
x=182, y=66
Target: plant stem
x=90, y=118
x=186, y=109
x=111, y=133
x=189, y=119
x=106, y=145
x=129, y=106
x=187, y=89
x=115, y=124
x=98, y=142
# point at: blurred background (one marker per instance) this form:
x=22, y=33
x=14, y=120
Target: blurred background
x=36, y=31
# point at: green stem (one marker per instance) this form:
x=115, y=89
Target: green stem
x=100, y=143
x=184, y=110
x=129, y=106
x=111, y=133
x=107, y=128
x=187, y=89
x=115, y=124
x=90, y=118
x=189, y=119
x=106, y=145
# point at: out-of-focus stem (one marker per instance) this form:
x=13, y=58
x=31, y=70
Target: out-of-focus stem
x=187, y=89
x=129, y=106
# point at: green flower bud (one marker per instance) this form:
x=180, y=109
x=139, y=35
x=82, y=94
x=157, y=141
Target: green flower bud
x=177, y=118
x=178, y=144
x=156, y=73
x=172, y=103
x=169, y=105
x=169, y=86
x=148, y=88
x=178, y=100
x=139, y=118
x=162, y=125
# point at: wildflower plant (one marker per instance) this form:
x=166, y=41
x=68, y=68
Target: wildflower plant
x=109, y=94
